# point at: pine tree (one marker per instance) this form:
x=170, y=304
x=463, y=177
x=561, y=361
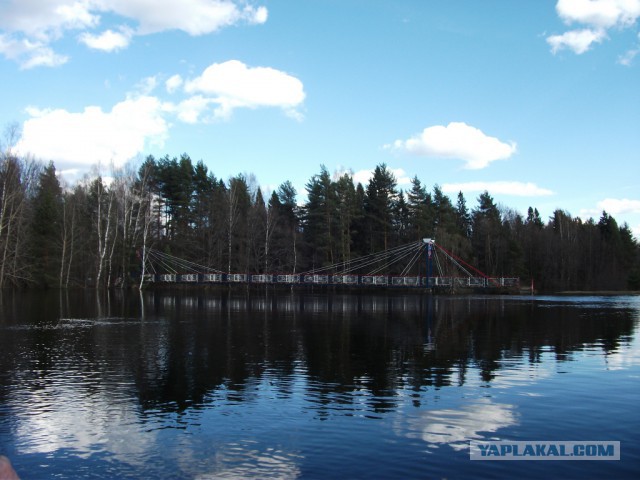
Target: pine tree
x=320, y=217
x=46, y=224
x=380, y=203
x=421, y=212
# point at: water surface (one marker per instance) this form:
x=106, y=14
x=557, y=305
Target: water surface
x=217, y=384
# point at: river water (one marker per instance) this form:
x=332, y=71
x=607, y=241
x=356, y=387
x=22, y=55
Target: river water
x=218, y=384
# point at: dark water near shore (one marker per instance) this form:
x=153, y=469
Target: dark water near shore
x=199, y=385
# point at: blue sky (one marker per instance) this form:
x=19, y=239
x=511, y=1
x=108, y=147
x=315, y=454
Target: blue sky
x=537, y=102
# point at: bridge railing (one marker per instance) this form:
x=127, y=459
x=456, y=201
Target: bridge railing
x=347, y=280
x=406, y=281
x=213, y=277
x=288, y=278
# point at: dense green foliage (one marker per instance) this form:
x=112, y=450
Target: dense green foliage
x=96, y=233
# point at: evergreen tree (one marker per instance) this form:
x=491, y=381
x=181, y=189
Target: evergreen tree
x=402, y=220
x=421, y=211
x=360, y=245
x=202, y=211
x=46, y=224
x=320, y=216
x=380, y=204
x=445, y=214
x=346, y=211
x=238, y=204
x=463, y=217
x=486, y=226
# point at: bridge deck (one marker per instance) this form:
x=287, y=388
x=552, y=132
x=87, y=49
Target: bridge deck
x=334, y=280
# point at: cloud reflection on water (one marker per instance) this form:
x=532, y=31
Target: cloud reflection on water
x=456, y=427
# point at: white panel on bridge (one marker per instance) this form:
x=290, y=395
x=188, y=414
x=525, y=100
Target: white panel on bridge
x=345, y=279
x=190, y=277
x=375, y=280
x=237, y=277
x=405, y=281
x=316, y=279
x=212, y=277
x=167, y=277
x=288, y=278
x=262, y=278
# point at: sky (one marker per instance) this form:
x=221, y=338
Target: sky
x=537, y=101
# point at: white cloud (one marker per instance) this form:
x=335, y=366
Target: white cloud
x=192, y=109
x=519, y=189
x=599, y=13
x=147, y=85
x=457, y=140
x=94, y=136
x=48, y=20
x=259, y=15
x=108, y=41
x=579, y=41
x=234, y=85
x=598, y=16
x=195, y=17
x=626, y=58
x=616, y=206
x=173, y=83
x=91, y=136
x=38, y=22
x=29, y=53
x=613, y=206
x=363, y=176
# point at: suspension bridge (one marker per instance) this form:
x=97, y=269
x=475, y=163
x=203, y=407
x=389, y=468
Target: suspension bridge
x=421, y=265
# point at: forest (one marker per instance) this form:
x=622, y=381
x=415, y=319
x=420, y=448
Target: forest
x=95, y=233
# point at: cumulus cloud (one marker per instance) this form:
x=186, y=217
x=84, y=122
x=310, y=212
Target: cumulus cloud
x=93, y=135
x=599, y=13
x=363, y=176
x=173, y=83
x=108, y=41
x=518, y=189
x=613, y=206
x=459, y=141
x=193, y=108
x=233, y=85
x=146, y=85
x=35, y=22
x=579, y=41
x=626, y=58
x=195, y=17
x=47, y=21
x=616, y=206
x=30, y=53
x=597, y=17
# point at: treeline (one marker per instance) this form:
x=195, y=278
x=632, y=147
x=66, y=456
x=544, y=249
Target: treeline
x=97, y=233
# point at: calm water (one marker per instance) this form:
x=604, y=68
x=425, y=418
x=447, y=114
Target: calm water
x=302, y=385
